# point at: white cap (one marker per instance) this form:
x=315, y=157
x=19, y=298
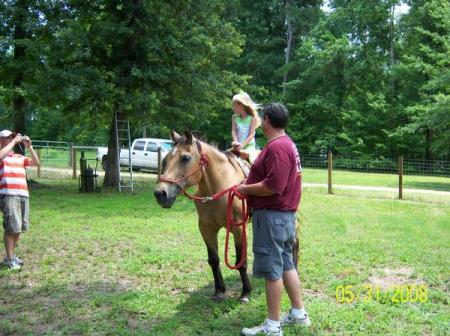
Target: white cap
x=6, y=134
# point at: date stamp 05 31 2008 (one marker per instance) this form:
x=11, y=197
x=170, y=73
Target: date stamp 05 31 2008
x=369, y=293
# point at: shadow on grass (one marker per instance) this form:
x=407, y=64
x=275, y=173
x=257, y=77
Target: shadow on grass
x=199, y=315
x=75, y=309
x=105, y=308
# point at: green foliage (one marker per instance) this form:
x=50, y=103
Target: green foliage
x=360, y=80
x=424, y=74
x=340, y=98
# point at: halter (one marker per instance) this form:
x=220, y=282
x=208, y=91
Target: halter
x=232, y=193
x=203, y=162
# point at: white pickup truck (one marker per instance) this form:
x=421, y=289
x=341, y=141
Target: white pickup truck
x=144, y=153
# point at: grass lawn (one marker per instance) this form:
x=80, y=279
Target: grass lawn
x=118, y=264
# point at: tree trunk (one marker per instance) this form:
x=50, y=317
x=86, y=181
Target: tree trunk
x=391, y=37
x=112, y=173
x=18, y=101
x=287, y=51
x=428, y=151
x=428, y=142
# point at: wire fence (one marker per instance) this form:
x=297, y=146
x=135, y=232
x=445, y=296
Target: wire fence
x=58, y=154
x=342, y=175
x=385, y=177
x=53, y=153
x=378, y=165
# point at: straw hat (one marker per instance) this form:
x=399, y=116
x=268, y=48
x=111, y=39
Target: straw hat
x=245, y=100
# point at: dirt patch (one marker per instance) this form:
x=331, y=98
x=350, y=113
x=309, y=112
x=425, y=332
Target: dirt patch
x=313, y=293
x=395, y=277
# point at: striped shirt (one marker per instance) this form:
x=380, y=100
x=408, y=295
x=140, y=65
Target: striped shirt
x=13, y=179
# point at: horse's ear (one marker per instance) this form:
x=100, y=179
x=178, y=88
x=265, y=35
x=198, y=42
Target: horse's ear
x=174, y=136
x=189, y=137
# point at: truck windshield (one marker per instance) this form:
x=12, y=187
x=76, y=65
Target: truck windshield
x=166, y=146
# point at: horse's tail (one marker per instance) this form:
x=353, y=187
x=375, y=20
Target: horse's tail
x=300, y=221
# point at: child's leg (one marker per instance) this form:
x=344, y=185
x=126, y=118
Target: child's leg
x=244, y=155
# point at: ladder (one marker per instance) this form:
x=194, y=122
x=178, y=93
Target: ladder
x=123, y=141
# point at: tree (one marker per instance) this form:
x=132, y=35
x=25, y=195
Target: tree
x=162, y=64
x=424, y=76
x=20, y=20
x=271, y=29
x=340, y=92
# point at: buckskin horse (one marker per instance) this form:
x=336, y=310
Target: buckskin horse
x=193, y=162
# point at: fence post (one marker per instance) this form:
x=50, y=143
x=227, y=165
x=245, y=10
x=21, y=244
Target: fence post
x=330, y=169
x=400, y=177
x=69, y=153
x=40, y=162
x=159, y=163
x=74, y=162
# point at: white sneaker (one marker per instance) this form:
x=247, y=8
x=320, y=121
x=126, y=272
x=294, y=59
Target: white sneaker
x=12, y=264
x=289, y=318
x=19, y=260
x=262, y=329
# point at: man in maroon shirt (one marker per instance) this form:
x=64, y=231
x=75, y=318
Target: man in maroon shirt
x=273, y=188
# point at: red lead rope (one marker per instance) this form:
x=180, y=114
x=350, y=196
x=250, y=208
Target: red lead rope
x=232, y=193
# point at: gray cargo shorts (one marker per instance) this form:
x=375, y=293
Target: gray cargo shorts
x=273, y=236
x=15, y=213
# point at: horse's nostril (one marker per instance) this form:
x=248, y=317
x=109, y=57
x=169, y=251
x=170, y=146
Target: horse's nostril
x=160, y=194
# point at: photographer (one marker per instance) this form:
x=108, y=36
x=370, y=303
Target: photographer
x=14, y=192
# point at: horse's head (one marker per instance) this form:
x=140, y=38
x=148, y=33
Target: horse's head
x=181, y=168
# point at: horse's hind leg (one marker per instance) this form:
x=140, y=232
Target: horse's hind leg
x=210, y=239
x=295, y=248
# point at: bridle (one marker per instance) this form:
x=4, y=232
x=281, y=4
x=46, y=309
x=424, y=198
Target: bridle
x=203, y=162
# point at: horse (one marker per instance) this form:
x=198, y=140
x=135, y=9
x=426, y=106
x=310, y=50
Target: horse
x=193, y=162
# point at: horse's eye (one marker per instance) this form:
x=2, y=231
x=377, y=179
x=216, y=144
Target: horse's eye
x=163, y=164
x=185, y=158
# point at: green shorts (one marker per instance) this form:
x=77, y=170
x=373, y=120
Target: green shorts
x=16, y=211
x=273, y=237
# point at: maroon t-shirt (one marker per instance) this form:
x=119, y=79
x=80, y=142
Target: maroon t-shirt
x=278, y=167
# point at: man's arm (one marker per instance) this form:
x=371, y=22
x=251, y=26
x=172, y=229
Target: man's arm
x=255, y=189
x=34, y=156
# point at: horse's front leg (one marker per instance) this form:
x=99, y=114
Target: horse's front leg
x=246, y=286
x=210, y=239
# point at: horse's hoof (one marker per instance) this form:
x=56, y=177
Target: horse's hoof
x=217, y=297
x=244, y=299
